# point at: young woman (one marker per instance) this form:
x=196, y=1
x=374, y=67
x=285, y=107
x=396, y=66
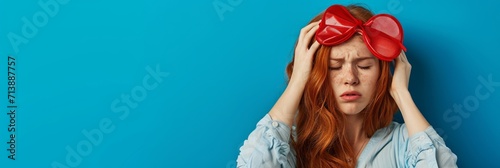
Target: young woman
x=338, y=106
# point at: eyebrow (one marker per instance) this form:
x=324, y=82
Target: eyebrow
x=356, y=59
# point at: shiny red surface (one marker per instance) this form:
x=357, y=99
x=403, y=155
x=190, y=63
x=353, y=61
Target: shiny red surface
x=382, y=34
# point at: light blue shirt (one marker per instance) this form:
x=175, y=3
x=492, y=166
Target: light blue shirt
x=269, y=146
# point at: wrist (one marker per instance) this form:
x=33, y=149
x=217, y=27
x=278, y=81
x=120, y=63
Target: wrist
x=399, y=94
x=298, y=79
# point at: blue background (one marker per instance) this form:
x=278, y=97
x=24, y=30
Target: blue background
x=222, y=72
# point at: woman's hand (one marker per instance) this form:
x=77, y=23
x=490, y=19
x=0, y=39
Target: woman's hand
x=401, y=76
x=285, y=108
x=414, y=120
x=303, y=53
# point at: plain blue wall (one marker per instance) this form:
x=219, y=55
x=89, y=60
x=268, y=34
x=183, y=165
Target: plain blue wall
x=220, y=72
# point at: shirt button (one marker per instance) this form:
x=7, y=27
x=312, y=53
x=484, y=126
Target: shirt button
x=275, y=124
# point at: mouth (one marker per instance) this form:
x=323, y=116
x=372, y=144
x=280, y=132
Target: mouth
x=350, y=95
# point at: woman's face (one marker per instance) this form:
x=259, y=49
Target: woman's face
x=353, y=74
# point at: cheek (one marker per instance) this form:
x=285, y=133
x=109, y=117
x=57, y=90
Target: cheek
x=335, y=83
x=335, y=79
x=369, y=80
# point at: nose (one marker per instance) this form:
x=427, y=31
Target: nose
x=351, y=76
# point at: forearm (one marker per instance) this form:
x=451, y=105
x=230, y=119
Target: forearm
x=414, y=120
x=285, y=108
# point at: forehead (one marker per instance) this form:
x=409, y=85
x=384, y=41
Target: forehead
x=354, y=47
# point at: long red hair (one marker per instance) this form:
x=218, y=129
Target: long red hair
x=321, y=134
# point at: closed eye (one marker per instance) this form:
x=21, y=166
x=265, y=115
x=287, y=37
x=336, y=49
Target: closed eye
x=364, y=67
x=334, y=68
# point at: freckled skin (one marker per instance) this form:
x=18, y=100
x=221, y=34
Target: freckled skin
x=351, y=76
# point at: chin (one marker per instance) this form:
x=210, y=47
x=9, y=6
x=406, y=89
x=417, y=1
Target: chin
x=351, y=110
x=352, y=113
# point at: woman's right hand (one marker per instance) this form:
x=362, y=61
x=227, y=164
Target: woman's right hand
x=303, y=53
x=285, y=108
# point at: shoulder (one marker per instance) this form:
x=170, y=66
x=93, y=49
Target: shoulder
x=393, y=127
x=393, y=132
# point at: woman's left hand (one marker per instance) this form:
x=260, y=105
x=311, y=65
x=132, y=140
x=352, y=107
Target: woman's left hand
x=401, y=76
x=414, y=120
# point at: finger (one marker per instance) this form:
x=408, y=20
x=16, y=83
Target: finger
x=311, y=25
x=314, y=47
x=307, y=39
x=407, y=62
x=306, y=29
x=312, y=30
x=403, y=57
x=399, y=58
x=402, y=62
